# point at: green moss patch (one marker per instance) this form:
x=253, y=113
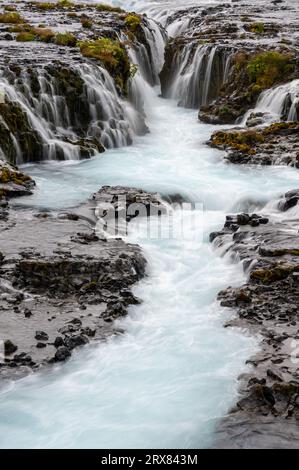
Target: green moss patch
x=266, y=69
x=133, y=21
x=11, y=17
x=65, y=39
x=112, y=54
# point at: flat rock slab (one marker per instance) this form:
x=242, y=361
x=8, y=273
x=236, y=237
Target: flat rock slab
x=61, y=285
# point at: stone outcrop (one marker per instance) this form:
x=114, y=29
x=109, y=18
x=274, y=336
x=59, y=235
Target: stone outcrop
x=268, y=305
x=61, y=285
x=275, y=144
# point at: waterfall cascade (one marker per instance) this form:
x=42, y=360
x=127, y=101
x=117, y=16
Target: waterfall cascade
x=199, y=73
x=72, y=110
x=278, y=103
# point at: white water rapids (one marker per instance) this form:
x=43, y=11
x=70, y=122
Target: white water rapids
x=172, y=376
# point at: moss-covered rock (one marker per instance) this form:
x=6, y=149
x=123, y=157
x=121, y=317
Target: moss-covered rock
x=14, y=126
x=113, y=55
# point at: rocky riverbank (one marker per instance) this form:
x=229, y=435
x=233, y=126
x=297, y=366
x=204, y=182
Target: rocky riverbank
x=267, y=305
x=61, y=284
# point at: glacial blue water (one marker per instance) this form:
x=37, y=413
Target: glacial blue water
x=172, y=376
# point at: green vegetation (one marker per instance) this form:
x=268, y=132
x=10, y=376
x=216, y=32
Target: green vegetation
x=8, y=175
x=10, y=8
x=25, y=37
x=44, y=34
x=133, y=21
x=65, y=39
x=242, y=141
x=257, y=28
x=104, y=7
x=245, y=141
x=44, y=5
x=224, y=110
x=110, y=52
x=113, y=55
x=11, y=17
x=86, y=22
x=77, y=6
x=268, y=68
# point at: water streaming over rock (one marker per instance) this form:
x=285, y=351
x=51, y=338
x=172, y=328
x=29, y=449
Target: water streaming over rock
x=196, y=73
x=278, y=103
x=68, y=111
x=172, y=376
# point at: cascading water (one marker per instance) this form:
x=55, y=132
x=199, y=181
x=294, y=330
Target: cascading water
x=199, y=72
x=53, y=122
x=171, y=377
x=275, y=104
x=74, y=109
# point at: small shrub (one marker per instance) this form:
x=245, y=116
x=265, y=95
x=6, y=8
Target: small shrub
x=44, y=34
x=104, y=7
x=86, y=22
x=65, y=39
x=25, y=36
x=108, y=51
x=11, y=17
x=257, y=28
x=269, y=67
x=10, y=8
x=133, y=21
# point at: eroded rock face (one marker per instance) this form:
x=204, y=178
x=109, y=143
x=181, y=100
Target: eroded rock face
x=62, y=286
x=267, y=304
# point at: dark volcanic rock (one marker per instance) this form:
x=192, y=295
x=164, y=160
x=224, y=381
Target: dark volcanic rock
x=275, y=144
x=61, y=285
x=267, y=304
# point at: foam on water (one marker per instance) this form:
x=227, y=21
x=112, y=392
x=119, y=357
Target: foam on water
x=170, y=378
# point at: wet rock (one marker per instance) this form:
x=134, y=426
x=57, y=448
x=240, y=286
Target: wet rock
x=65, y=280
x=41, y=335
x=58, y=342
x=266, y=304
x=62, y=354
x=290, y=200
x=9, y=347
x=275, y=144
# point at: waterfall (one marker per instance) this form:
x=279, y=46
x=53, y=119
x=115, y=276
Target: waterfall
x=73, y=111
x=185, y=87
x=199, y=73
x=275, y=104
x=207, y=80
x=98, y=112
